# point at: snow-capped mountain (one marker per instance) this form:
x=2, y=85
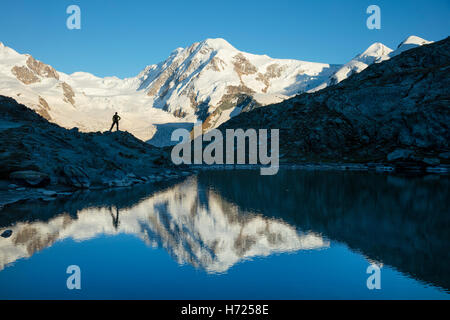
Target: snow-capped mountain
x=209, y=77
x=214, y=81
x=78, y=100
x=360, y=62
x=410, y=43
x=210, y=81
x=216, y=234
x=376, y=53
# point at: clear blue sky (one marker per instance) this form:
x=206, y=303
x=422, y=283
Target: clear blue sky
x=121, y=37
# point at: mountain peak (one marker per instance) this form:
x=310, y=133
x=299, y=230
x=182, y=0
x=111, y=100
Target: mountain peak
x=410, y=43
x=9, y=53
x=414, y=40
x=3, y=47
x=377, y=50
x=217, y=44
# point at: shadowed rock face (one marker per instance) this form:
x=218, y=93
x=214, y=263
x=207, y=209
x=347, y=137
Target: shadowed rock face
x=402, y=103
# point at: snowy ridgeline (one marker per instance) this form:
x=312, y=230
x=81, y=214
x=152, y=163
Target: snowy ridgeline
x=210, y=81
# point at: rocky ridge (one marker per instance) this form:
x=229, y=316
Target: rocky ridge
x=395, y=111
x=35, y=153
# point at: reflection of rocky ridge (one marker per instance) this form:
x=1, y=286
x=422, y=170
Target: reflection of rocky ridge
x=399, y=221
x=194, y=224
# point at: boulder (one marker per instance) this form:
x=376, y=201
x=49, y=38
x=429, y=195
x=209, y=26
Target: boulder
x=399, y=154
x=14, y=161
x=30, y=178
x=432, y=161
x=76, y=177
x=6, y=234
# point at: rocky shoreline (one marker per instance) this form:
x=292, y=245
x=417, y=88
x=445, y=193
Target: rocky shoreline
x=11, y=193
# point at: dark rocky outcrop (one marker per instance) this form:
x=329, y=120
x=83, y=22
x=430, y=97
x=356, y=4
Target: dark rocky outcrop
x=35, y=153
x=392, y=109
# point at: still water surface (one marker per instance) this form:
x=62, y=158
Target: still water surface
x=235, y=235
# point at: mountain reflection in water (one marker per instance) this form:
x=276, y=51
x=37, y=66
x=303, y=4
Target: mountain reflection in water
x=195, y=224
x=218, y=218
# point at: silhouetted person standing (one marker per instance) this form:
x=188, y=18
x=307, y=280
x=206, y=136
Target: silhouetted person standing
x=116, y=120
x=115, y=219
